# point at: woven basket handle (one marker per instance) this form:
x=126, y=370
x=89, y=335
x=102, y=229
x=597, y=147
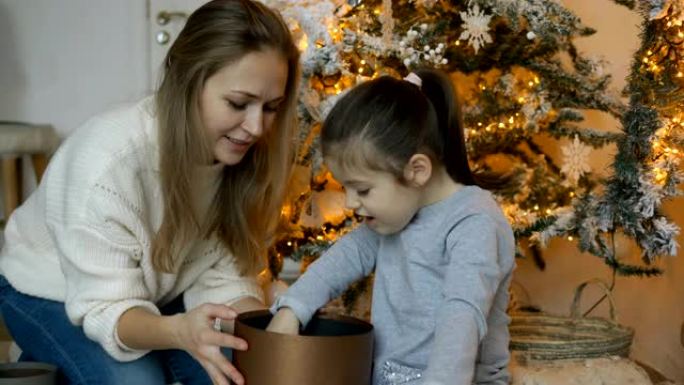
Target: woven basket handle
x=574, y=308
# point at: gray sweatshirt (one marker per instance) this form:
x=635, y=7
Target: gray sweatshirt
x=439, y=296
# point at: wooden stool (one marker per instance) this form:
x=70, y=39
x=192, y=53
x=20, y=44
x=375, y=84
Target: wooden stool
x=17, y=140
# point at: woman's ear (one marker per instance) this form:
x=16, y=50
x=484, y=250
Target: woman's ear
x=418, y=170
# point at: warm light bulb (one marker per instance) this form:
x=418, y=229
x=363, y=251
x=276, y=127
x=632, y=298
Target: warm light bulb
x=303, y=43
x=285, y=210
x=570, y=238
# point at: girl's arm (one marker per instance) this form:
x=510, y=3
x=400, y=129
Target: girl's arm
x=349, y=259
x=473, y=278
x=284, y=321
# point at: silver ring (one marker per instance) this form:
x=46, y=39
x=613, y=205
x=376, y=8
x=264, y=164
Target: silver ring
x=217, y=324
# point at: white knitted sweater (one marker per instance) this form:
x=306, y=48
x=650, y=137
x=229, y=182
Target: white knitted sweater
x=83, y=237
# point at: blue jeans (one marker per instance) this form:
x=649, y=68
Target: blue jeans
x=44, y=333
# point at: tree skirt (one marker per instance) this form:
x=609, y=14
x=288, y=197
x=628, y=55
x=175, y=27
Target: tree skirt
x=595, y=371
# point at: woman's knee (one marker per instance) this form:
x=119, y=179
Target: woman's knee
x=44, y=333
x=91, y=365
x=145, y=370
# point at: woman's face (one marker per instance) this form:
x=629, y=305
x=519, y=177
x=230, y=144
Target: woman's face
x=239, y=102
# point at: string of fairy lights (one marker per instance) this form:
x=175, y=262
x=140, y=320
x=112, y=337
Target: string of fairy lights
x=663, y=60
x=361, y=68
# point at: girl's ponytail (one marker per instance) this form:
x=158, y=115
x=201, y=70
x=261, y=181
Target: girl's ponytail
x=439, y=90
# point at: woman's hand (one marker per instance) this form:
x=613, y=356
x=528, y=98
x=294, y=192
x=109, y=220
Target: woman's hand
x=196, y=335
x=285, y=322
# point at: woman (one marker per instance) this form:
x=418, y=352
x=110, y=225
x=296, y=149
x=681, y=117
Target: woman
x=151, y=221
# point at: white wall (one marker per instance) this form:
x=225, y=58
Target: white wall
x=63, y=61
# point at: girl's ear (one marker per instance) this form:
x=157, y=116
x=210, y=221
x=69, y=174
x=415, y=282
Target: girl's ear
x=418, y=170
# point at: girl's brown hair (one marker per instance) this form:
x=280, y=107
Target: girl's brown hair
x=385, y=121
x=247, y=206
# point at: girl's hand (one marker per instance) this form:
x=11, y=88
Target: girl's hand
x=196, y=335
x=285, y=322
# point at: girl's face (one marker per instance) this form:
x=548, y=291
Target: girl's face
x=386, y=205
x=238, y=104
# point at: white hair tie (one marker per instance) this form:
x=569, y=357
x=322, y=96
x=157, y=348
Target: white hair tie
x=414, y=79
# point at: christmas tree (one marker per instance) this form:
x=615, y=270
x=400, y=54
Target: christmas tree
x=524, y=86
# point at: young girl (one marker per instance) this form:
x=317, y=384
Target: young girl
x=151, y=221
x=442, y=251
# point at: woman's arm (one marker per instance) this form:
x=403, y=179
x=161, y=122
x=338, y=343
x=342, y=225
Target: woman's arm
x=138, y=328
x=193, y=332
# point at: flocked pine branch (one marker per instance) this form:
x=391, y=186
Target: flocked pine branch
x=645, y=168
x=521, y=78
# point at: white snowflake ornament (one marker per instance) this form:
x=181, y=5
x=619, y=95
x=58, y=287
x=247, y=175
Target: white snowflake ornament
x=476, y=27
x=575, y=160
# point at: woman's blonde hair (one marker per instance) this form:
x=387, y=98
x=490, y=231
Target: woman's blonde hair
x=246, y=208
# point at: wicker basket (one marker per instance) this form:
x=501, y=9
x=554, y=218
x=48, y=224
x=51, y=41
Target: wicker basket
x=539, y=336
